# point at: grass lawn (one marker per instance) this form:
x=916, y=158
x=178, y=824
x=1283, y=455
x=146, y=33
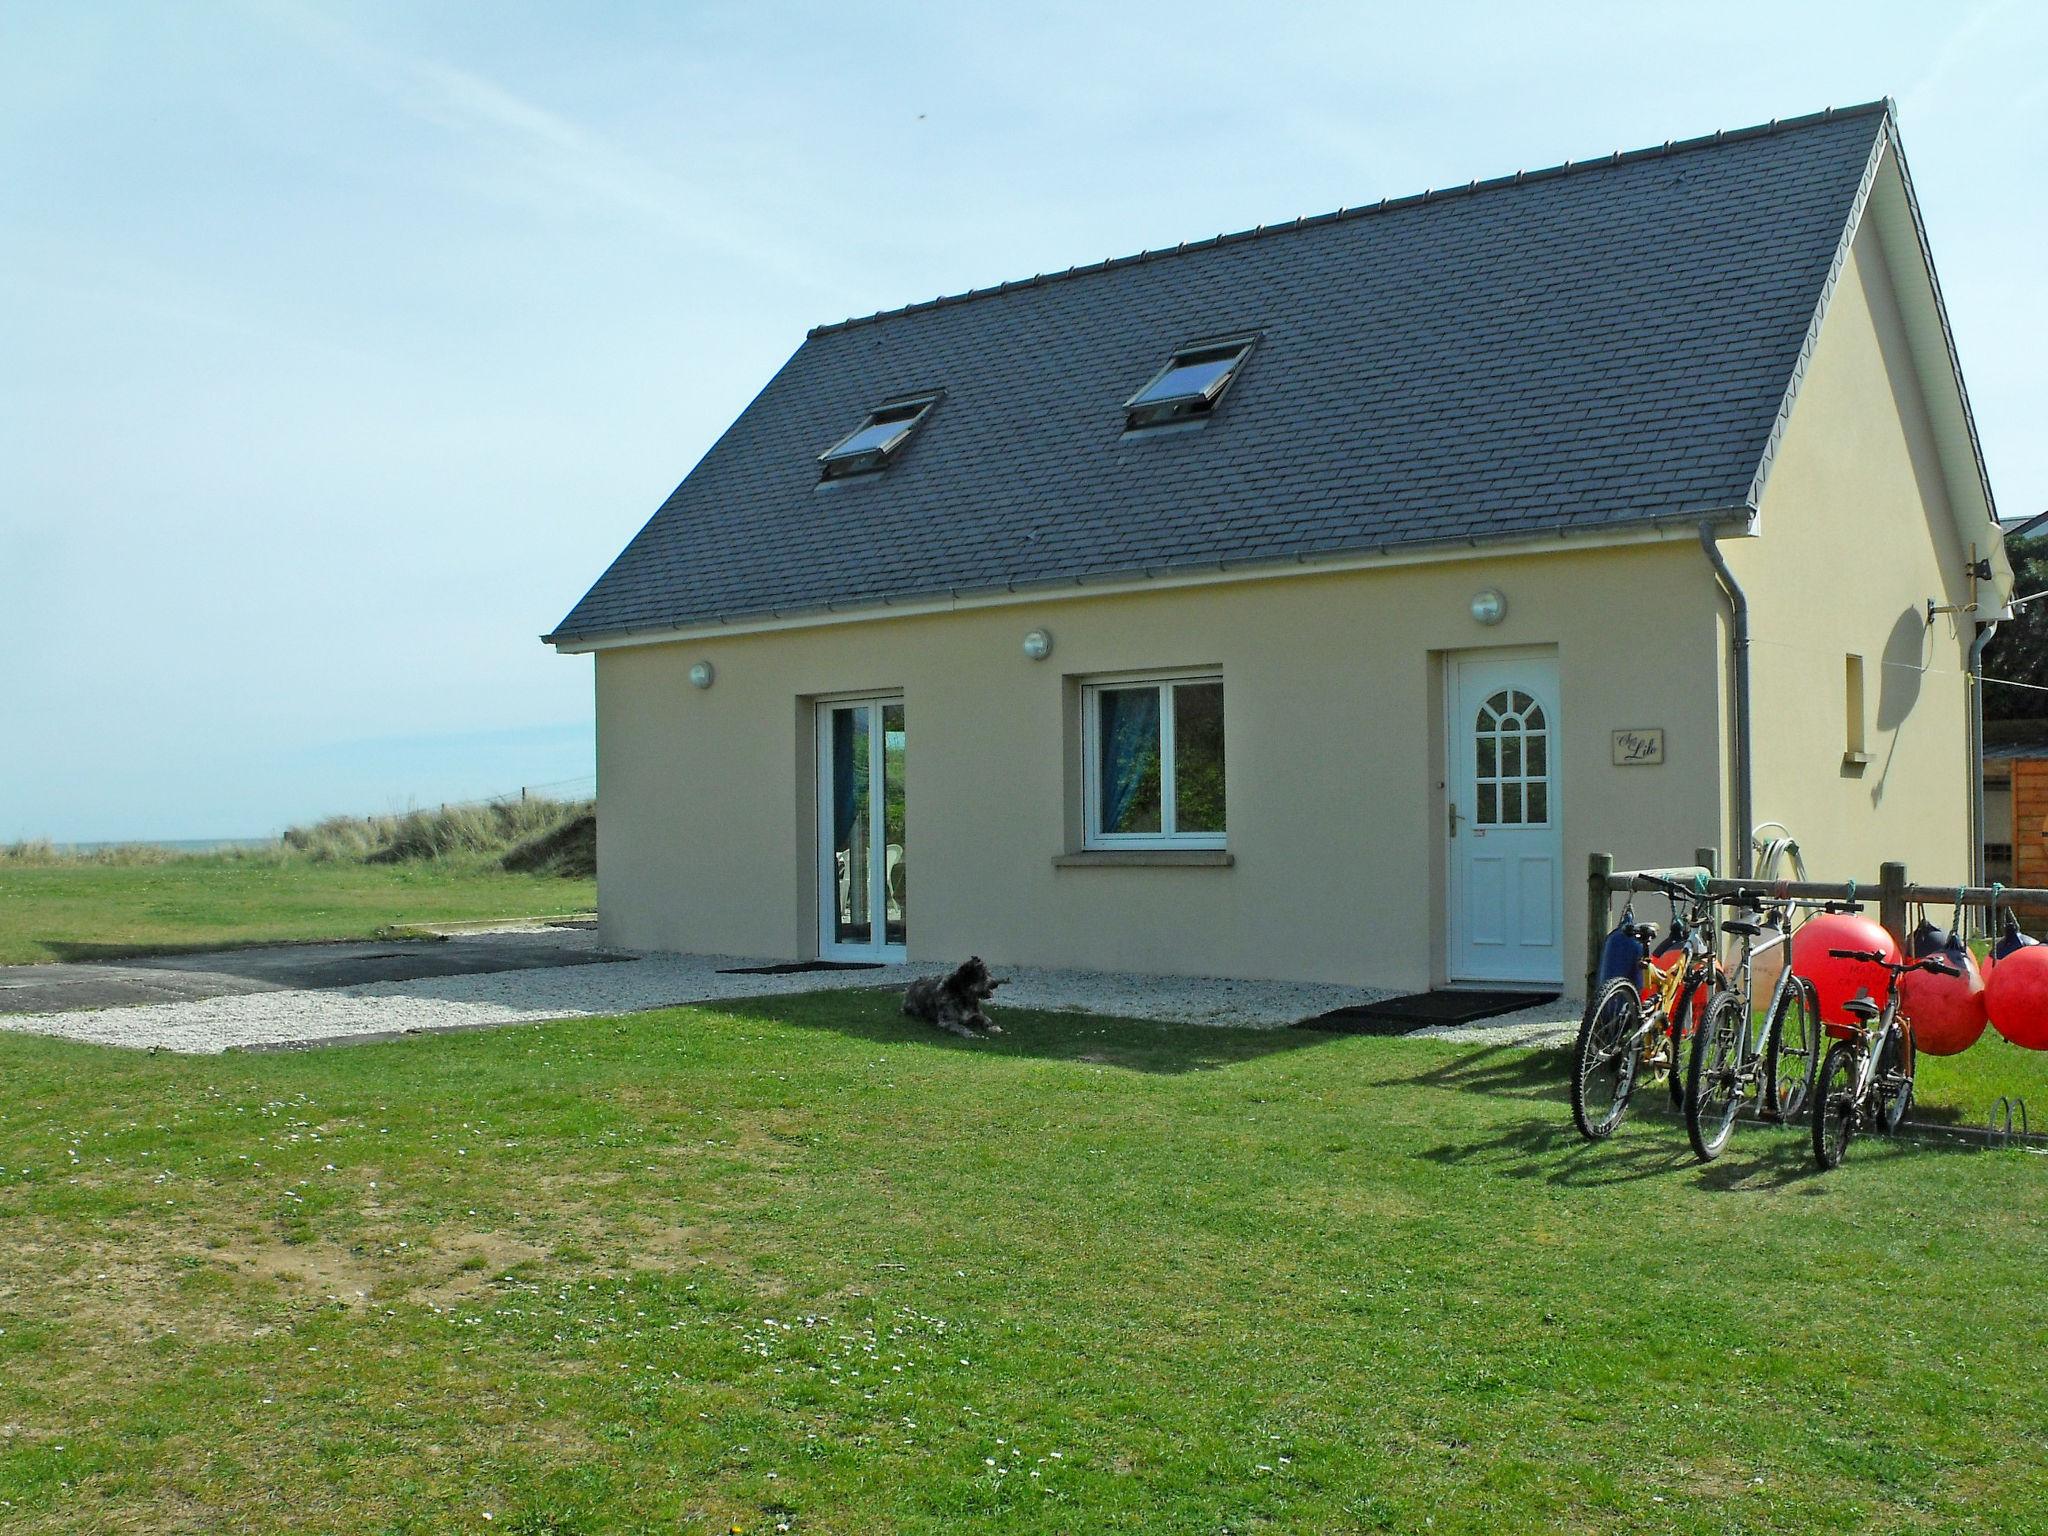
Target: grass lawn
x=802, y=1265
x=95, y=911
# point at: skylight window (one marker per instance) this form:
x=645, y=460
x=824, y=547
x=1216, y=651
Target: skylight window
x=1190, y=384
x=871, y=445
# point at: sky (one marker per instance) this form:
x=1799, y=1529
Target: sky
x=343, y=345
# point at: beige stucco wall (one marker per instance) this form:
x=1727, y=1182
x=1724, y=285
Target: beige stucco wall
x=1334, y=775
x=1857, y=534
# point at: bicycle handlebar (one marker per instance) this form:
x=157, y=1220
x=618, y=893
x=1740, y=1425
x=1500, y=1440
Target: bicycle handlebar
x=1933, y=963
x=1673, y=889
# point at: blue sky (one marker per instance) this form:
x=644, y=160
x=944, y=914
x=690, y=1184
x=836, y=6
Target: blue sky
x=342, y=345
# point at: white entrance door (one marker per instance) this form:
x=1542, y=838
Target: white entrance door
x=863, y=876
x=1506, y=823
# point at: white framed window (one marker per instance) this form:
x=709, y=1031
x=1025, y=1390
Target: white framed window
x=1152, y=762
x=1511, y=767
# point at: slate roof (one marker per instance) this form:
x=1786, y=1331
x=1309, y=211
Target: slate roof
x=1575, y=349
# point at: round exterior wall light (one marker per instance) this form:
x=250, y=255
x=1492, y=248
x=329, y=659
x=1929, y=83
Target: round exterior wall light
x=1489, y=607
x=701, y=674
x=1038, y=644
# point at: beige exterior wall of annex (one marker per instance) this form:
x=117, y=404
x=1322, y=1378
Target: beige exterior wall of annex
x=1333, y=761
x=1857, y=536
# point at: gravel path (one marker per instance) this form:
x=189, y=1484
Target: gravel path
x=383, y=1010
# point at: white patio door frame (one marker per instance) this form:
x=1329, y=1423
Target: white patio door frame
x=875, y=876
x=1505, y=869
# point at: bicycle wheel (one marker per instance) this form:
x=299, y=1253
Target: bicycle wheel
x=1604, y=1059
x=1683, y=1028
x=1713, y=1076
x=1834, y=1104
x=1792, y=1051
x=1894, y=1081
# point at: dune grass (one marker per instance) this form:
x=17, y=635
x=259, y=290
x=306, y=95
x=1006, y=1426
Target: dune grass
x=529, y=835
x=348, y=877
x=93, y=909
x=799, y=1266
x=491, y=830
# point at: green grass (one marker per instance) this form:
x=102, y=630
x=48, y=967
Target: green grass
x=71, y=910
x=803, y=1264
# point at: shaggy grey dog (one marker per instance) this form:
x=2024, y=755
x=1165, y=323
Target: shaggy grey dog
x=954, y=1002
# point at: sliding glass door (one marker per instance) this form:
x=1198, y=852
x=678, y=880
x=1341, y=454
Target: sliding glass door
x=863, y=876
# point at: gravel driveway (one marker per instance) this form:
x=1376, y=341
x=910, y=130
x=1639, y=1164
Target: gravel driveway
x=568, y=989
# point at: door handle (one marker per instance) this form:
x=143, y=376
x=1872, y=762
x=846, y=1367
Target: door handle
x=1451, y=806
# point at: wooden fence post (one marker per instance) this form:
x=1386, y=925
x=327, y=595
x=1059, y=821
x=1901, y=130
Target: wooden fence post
x=1598, y=867
x=1891, y=900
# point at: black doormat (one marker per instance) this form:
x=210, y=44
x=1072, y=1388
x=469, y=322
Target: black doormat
x=1420, y=1010
x=792, y=967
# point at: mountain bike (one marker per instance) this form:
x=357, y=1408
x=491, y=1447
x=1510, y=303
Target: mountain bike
x=1867, y=1079
x=1632, y=1028
x=1748, y=1047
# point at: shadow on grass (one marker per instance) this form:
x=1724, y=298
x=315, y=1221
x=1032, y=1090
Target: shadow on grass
x=1132, y=1045
x=1500, y=1069
x=1550, y=1148
x=1651, y=1143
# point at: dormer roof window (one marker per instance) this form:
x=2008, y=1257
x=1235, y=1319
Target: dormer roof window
x=875, y=442
x=1190, y=384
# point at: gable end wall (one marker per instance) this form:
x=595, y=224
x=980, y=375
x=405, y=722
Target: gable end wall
x=1858, y=533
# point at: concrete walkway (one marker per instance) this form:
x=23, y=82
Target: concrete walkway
x=95, y=984
x=257, y=999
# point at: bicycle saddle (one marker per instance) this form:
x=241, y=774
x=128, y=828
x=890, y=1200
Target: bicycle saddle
x=1863, y=1006
x=1747, y=930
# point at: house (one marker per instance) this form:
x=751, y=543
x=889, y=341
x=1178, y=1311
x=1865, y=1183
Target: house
x=1310, y=602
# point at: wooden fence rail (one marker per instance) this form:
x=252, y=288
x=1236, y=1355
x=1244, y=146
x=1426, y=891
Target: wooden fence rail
x=1892, y=890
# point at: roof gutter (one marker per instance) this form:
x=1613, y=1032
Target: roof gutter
x=1738, y=606
x=1111, y=583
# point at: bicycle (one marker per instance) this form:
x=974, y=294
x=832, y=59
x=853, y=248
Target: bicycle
x=1739, y=1052
x=1632, y=1026
x=1867, y=1078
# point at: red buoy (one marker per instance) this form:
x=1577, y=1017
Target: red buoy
x=2016, y=997
x=1836, y=981
x=1947, y=1011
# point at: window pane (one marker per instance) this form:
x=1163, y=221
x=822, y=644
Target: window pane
x=1511, y=756
x=1538, y=753
x=852, y=783
x=1489, y=812
x=1198, y=757
x=1487, y=768
x=1127, y=759
x=895, y=823
x=1539, y=803
x=869, y=438
x=1189, y=379
x=1510, y=804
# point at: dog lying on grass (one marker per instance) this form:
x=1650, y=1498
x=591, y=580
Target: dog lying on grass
x=954, y=1002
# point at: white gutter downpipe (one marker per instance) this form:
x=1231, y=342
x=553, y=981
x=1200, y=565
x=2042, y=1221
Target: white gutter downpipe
x=1984, y=634
x=1738, y=605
